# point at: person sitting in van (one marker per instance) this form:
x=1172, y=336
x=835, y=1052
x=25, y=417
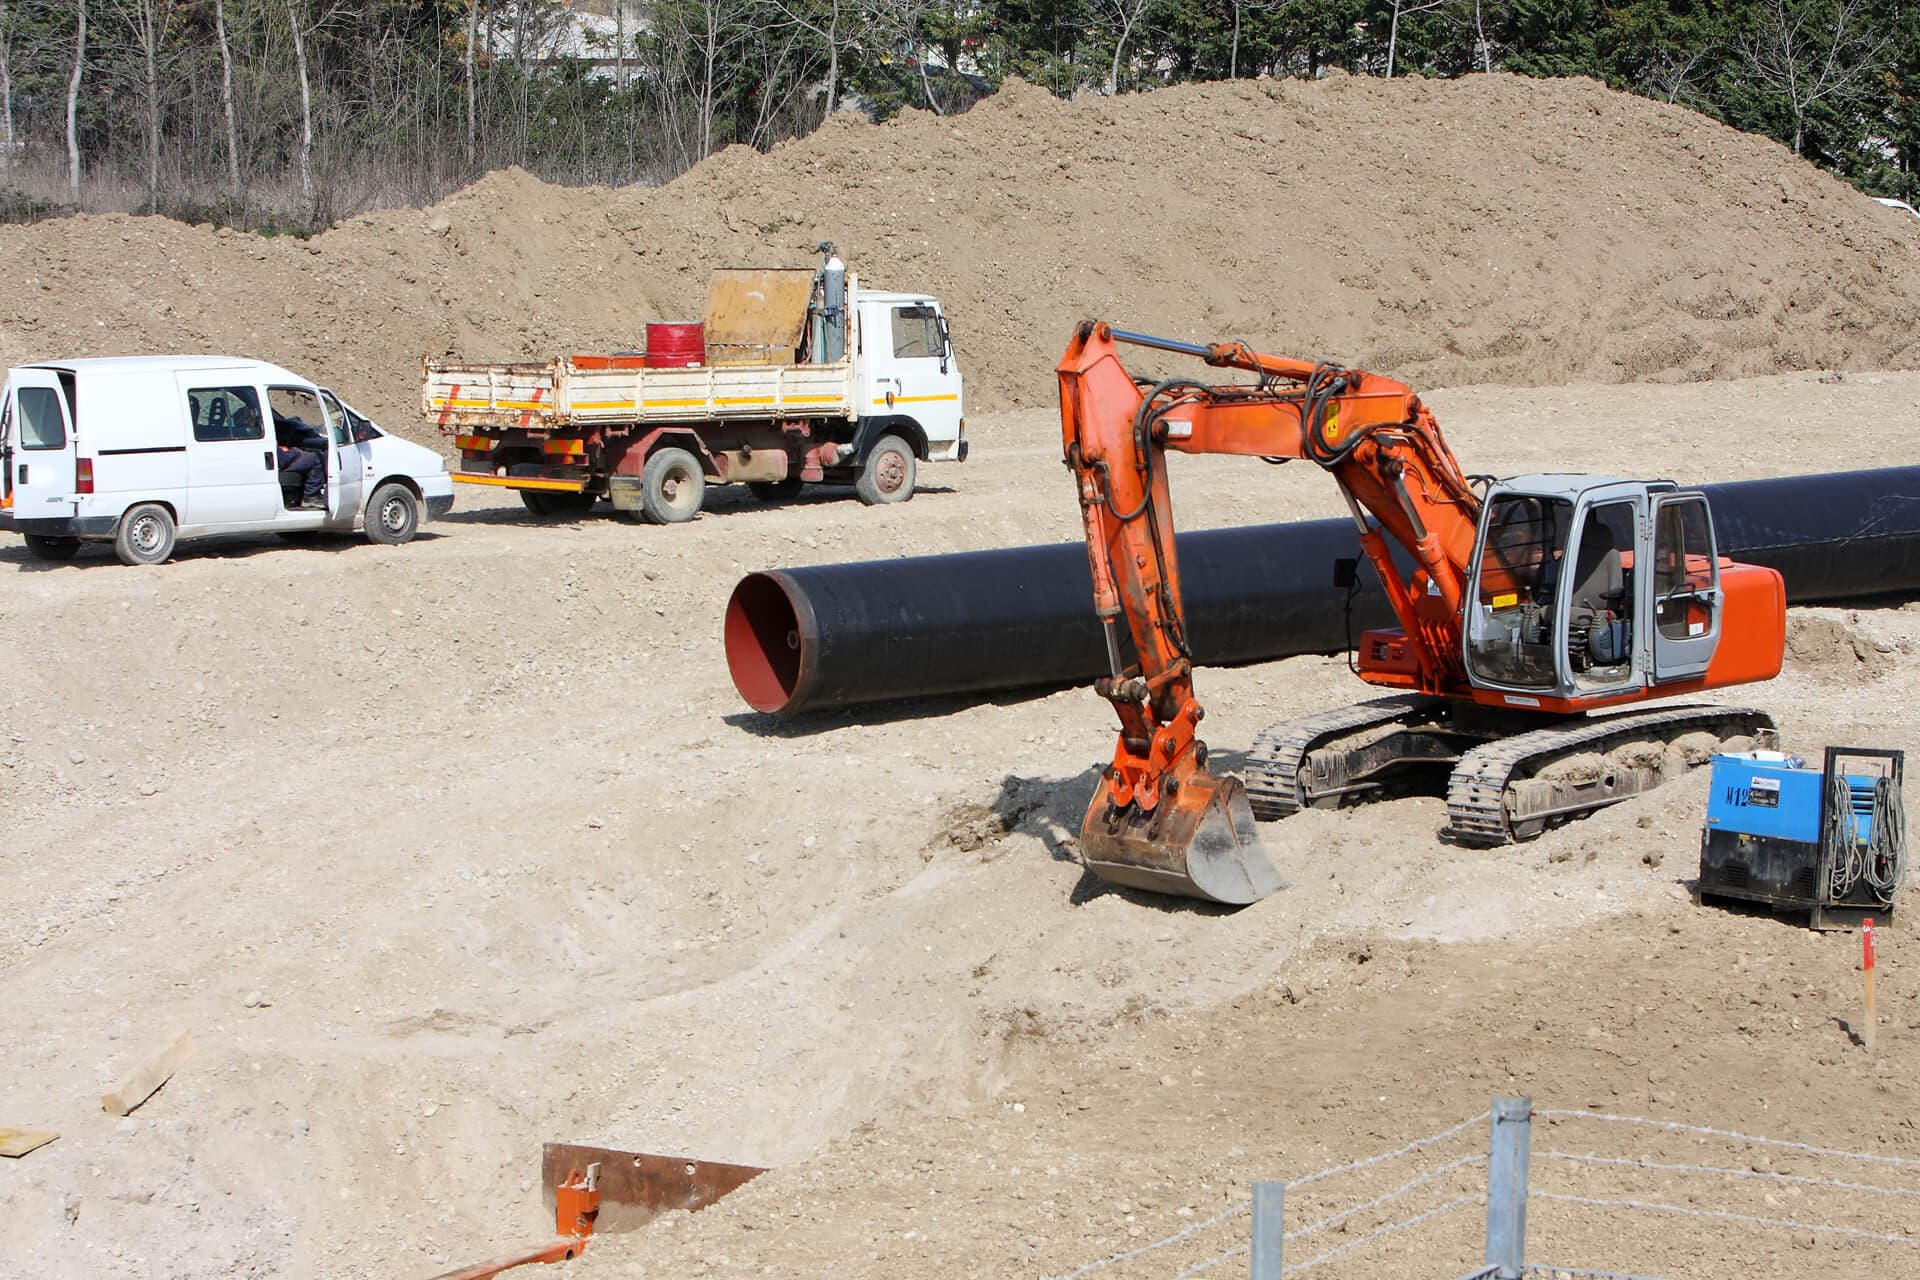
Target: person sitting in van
x=297, y=460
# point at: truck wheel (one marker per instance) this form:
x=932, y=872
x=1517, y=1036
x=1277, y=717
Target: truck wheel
x=42, y=547
x=569, y=506
x=776, y=490
x=672, y=487
x=888, y=473
x=145, y=535
x=393, y=516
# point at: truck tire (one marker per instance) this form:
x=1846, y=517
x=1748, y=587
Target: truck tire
x=393, y=515
x=776, y=490
x=145, y=535
x=569, y=506
x=44, y=547
x=888, y=473
x=672, y=487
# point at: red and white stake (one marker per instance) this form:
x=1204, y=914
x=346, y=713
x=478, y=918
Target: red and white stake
x=1866, y=952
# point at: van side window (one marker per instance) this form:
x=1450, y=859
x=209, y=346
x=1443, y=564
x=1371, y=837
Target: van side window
x=916, y=333
x=226, y=413
x=299, y=418
x=42, y=425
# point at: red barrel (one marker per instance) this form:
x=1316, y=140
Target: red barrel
x=675, y=346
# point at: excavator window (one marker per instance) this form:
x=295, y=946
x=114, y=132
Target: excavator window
x=1683, y=570
x=1510, y=636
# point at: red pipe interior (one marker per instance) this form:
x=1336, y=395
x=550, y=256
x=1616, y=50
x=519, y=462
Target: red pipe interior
x=763, y=643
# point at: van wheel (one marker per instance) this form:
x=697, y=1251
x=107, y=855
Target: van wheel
x=42, y=547
x=776, y=490
x=672, y=487
x=145, y=535
x=543, y=502
x=888, y=474
x=393, y=517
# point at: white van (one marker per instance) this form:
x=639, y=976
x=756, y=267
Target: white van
x=139, y=451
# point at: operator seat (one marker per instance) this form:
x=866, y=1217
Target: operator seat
x=1599, y=594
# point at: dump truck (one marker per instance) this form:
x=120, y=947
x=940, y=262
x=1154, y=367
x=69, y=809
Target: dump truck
x=796, y=376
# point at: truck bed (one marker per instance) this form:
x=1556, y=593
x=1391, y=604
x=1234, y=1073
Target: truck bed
x=610, y=390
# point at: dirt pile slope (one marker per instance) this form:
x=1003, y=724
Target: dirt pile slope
x=1493, y=229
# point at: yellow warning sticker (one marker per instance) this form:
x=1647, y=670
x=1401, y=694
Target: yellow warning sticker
x=1506, y=600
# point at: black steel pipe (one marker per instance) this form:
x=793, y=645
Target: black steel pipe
x=812, y=639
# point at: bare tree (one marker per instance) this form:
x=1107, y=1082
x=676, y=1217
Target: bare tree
x=836, y=24
x=620, y=45
x=6, y=85
x=148, y=21
x=306, y=109
x=1480, y=44
x=1393, y=30
x=226, y=96
x=1813, y=50
x=1126, y=16
x=473, y=117
x=73, y=99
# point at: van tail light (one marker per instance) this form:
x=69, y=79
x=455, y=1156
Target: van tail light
x=83, y=476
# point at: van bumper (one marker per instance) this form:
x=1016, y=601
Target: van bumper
x=62, y=526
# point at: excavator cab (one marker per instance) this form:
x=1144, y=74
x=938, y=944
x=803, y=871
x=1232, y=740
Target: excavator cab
x=1586, y=590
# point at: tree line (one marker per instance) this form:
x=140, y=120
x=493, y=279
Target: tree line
x=287, y=114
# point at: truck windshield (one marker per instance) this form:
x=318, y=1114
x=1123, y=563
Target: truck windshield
x=916, y=333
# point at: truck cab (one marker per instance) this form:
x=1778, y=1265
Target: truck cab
x=908, y=378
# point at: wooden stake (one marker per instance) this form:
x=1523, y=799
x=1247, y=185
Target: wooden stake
x=1866, y=951
x=138, y=1084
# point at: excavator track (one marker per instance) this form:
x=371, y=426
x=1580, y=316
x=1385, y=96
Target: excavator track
x=1481, y=797
x=1273, y=764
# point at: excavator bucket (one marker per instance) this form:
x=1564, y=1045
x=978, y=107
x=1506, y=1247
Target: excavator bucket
x=1198, y=843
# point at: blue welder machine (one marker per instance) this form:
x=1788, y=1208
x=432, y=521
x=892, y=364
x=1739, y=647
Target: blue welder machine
x=1830, y=842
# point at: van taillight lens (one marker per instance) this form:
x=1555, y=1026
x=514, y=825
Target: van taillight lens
x=83, y=476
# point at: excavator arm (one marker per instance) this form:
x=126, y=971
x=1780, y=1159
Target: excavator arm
x=1160, y=819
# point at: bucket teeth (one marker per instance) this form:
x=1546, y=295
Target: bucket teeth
x=1199, y=843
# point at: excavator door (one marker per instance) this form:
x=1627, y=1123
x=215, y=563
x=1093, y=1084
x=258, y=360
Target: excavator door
x=1684, y=586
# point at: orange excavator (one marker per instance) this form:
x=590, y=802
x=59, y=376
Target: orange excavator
x=1530, y=610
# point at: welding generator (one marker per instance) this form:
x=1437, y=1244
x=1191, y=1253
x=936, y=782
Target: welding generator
x=1830, y=842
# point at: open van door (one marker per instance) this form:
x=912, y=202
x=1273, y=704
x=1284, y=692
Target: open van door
x=346, y=461
x=38, y=446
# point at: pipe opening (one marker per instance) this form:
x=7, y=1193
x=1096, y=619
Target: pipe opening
x=763, y=642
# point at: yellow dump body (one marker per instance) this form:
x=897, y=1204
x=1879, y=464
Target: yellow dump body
x=576, y=391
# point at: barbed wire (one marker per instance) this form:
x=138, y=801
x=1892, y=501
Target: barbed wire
x=1641, y=1163
x=1432, y=1139
x=1340, y=1216
x=1725, y=1216
x=1391, y=1228
x=1900, y=1161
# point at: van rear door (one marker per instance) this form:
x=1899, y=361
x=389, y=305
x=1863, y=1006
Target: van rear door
x=39, y=446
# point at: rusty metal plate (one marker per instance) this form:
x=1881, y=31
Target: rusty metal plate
x=635, y=1185
x=757, y=315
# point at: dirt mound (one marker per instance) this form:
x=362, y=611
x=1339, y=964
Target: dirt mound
x=1492, y=229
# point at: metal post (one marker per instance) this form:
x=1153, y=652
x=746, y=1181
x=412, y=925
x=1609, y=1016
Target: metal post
x=1267, y=1230
x=1507, y=1187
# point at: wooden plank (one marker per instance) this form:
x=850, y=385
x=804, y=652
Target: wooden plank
x=138, y=1084
x=15, y=1143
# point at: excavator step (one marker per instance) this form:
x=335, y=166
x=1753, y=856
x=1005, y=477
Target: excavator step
x=1273, y=766
x=1493, y=799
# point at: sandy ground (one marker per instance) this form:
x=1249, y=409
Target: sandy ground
x=444, y=851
